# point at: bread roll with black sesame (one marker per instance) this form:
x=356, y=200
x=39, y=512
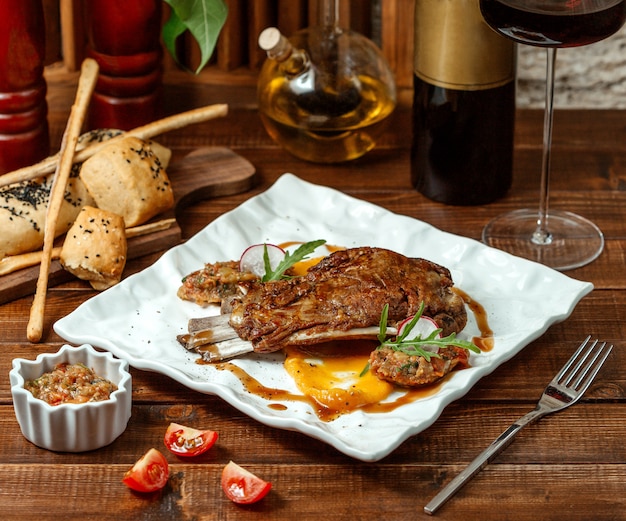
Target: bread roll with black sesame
x=95, y=247
x=23, y=206
x=127, y=178
x=104, y=134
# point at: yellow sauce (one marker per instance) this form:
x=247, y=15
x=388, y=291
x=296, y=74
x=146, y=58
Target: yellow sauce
x=301, y=268
x=331, y=375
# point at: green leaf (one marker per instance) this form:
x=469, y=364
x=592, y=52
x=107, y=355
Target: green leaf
x=416, y=346
x=203, y=18
x=290, y=259
x=382, y=329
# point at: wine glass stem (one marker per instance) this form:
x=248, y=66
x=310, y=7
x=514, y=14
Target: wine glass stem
x=542, y=234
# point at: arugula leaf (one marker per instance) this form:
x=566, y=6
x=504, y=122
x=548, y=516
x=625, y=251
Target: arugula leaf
x=382, y=332
x=203, y=18
x=290, y=259
x=415, y=346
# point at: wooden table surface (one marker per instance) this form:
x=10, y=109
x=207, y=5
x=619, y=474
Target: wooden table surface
x=571, y=465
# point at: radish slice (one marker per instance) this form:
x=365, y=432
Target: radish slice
x=422, y=329
x=252, y=258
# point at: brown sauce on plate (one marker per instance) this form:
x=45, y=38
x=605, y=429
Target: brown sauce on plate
x=485, y=341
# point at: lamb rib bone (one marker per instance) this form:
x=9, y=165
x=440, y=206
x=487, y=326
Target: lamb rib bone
x=216, y=340
x=211, y=330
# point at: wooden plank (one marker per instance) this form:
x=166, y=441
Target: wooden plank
x=292, y=16
x=192, y=54
x=53, y=31
x=194, y=490
x=232, y=43
x=361, y=16
x=169, y=63
x=397, y=21
x=73, y=34
x=261, y=14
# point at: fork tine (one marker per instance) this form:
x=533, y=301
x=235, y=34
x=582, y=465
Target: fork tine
x=588, y=364
x=571, y=361
x=583, y=364
x=585, y=368
x=592, y=369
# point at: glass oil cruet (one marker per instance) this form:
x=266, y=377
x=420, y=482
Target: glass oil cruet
x=326, y=92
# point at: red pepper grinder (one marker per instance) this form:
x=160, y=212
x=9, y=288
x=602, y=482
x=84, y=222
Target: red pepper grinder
x=24, y=137
x=124, y=38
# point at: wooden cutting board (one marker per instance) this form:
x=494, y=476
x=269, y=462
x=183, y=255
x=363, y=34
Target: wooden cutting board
x=204, y=173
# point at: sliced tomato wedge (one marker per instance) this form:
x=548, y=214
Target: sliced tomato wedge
x=149, y=473
x=241, y=486
x=186, y=441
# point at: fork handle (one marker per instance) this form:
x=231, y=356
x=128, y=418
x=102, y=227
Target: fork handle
x=496, y=447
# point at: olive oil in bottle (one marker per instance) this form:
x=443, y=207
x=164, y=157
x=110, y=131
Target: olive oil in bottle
x=325, y=93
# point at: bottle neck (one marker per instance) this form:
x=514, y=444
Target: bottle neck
x=292, y=61
x=328, y=15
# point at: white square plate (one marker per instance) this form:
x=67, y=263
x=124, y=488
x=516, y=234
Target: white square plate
x=139, y=319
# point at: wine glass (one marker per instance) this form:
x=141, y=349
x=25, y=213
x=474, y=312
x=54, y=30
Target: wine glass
x=559, y=239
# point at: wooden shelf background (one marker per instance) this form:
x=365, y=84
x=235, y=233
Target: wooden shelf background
x=237, y=58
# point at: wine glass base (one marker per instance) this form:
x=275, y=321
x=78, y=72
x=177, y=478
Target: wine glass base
x=573, y=240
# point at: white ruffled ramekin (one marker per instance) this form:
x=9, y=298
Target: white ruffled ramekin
x=72, y=427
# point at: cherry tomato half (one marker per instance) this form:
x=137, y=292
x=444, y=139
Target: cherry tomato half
x=241, y=486
x=185, y=441
x=149, y=473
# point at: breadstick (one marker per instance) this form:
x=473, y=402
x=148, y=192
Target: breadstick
x=86, y=85
x=145, y=229
x=13, y=263
x=145, y=132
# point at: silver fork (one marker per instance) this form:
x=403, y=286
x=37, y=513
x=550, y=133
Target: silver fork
x=564, y=390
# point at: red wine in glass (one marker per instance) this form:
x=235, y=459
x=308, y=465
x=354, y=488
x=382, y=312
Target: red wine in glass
x=557, y=23
x=559, y=239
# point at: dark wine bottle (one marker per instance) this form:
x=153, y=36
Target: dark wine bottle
x=463, y=105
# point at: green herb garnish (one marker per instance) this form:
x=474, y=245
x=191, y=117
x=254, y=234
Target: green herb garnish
x=204, y=19
x=415, y=346
x=290, y=259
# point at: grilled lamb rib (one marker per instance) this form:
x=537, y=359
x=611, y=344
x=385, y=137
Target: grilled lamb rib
x=345, y=290
x=339, y=297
